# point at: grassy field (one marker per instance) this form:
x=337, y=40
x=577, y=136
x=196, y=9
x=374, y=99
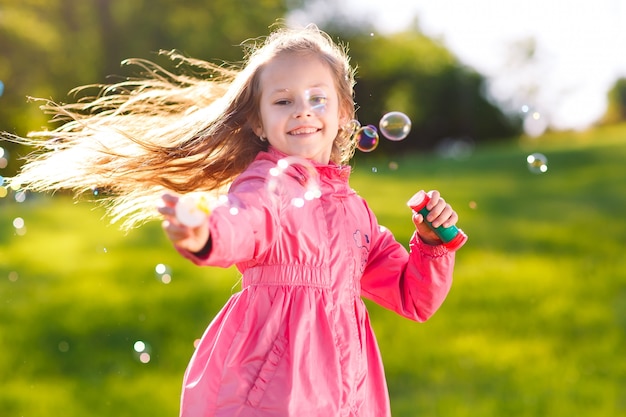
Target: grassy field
x=535, y=324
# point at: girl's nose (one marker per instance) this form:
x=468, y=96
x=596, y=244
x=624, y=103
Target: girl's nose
x=303, y=108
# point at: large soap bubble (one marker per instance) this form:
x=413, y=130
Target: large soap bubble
x=395, y=125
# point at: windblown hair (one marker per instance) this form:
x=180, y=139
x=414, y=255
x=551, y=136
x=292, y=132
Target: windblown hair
x=185, y=132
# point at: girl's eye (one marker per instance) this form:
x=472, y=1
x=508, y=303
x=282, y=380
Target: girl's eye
x=282, y=102
x=317, y=98
x=316, y=101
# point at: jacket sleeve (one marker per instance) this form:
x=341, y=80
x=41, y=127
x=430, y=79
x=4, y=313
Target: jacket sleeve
x=242, y=228
x=414, y=284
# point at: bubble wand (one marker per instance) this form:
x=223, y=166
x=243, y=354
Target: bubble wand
x=192, y=209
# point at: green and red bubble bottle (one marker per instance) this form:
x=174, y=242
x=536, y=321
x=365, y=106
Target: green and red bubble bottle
x=452, y=237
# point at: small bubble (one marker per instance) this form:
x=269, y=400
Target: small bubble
x=64, y=346
x=534, y=124
x=393, y=166
x=142, y=351
x=163, y=273
x=456, y=147
x=374, y=170
x=18, y=223
x=13, y=276
x=537, y=163
x=3, y=191
x=366, y=138
x=192, y=210
x=15, y=186
x=4, y=162
x=20, y=196
x=473, y=205
x=1, y=88
x=352, y=126
x=303, y=170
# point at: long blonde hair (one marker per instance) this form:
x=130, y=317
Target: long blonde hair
x=171, y=131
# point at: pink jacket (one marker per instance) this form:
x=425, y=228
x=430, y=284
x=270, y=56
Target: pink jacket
x=296, y=340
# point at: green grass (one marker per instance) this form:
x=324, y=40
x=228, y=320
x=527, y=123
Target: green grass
x=535, y=324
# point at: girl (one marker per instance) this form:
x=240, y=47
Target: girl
x=296, y=340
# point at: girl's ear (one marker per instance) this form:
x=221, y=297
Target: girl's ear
x=344, y=119
x=258, y=130
x=345, y=115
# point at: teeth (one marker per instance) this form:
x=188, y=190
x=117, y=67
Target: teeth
x=303, y=131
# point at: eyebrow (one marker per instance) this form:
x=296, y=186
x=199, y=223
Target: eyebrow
x=286, y=90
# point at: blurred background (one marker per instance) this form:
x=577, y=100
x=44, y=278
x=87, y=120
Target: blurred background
x=484, y=72
x=97, y=322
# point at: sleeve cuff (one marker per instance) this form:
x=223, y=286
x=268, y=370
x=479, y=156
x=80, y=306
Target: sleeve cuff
x=204, y=252
x=433, y=251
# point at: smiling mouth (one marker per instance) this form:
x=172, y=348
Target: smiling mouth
x=304, y=131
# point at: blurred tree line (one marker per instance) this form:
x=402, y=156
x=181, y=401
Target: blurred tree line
x=48, y=47
x=616, y=111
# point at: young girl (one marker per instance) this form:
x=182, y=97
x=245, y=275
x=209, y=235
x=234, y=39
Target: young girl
x=296, y=340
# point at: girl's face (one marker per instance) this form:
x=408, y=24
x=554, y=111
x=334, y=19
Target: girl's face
x=299, y=107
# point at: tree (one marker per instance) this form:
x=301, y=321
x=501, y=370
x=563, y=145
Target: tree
x=616, y=111
x=49, y=47
x=412, y=73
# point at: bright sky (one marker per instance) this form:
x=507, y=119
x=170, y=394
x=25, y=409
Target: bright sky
x=580, y=47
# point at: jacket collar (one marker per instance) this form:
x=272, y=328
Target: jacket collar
x=333, y=178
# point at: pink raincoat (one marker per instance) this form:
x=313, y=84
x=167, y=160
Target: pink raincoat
x=296, y=340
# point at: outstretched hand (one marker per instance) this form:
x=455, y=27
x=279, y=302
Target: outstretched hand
x=441, y=214
x=192, y=239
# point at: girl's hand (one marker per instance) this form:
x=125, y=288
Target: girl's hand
x=192, y=239
x=441, y=214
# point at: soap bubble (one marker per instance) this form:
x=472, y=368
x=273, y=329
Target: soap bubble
x=366, y=138
x=193, y=209
x=537, y=163
x=142, y=351
x=305, y=173
x=1, y=88
x=64, y=346
x=456, y=147
x=20, y=226
x=395, y=125
x=163, y=273
x=20, y=196
x=535, y=124
x=4, y=158
x=317, y=99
